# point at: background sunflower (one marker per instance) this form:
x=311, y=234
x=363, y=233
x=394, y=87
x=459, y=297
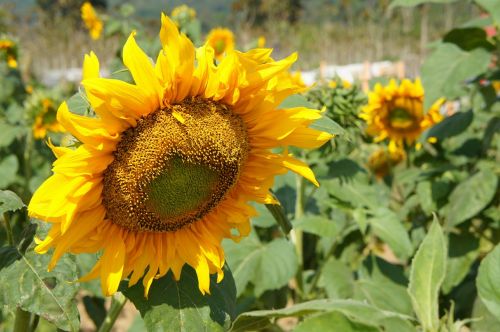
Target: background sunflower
x=396, y=111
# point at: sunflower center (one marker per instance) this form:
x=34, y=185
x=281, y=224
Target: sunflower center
x=401, y=118
x=220, y=46
x=175, y=166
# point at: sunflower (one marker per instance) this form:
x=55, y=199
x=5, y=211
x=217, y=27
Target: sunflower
x=9, y=49
x=343, y=83
x=183, y=13
x=46, y=120
x=221, y=40
x=382, y=160
x=169, y=165
x=396, y=112
x=92, y=22
x=496, y=86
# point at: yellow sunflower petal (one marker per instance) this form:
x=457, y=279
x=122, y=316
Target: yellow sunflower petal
x=113, y=261
x=87, y=130
x=90, y=66
x=300, y=168
x=141, y=68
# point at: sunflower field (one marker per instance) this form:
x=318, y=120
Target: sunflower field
x=202, y=169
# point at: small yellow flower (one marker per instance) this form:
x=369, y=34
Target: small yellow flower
x=396, y=112
x=11, y=61
x=183, y=12
x=6, y=44
x=345, y=84
x=46, y=120
x=432, y=140
x=92, y=22
x=496, y=86
x=222, y=41
x=8, y=48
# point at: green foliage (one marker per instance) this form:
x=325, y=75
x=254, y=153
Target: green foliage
x=487, y=282
x=322, y=322
x=27, y=284
x=266, y=266
x=179, y=306
x=412, y=3
x=426, y=276
x=9, y=201
x=490, y=6
x=445, y=71
x=471, y=196
x=356, y=311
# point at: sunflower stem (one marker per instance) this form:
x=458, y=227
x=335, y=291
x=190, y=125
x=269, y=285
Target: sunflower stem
x=27, y=164
x=117, y=304
x=23, y=321
x=297, y=233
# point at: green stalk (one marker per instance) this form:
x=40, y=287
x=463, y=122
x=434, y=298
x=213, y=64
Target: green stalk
x=22, y=322
x=297, y=235
x=117, y=304
x=27, y=164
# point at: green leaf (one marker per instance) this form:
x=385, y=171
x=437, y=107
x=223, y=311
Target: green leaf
x=387, y=226
x=8, y=255
x=295, y=101
x=450, y=126
x=385, y=295
x=424, y=192
x=78, y=104
x=355, y=310
x=412, y=3
x=266, y=265
x=8, y=133
x=445, y=71
x=471, y=196
x=492, y=128
x=357, y=193
x=325, y=321
x=328, y=125
x=468, y=38
x=279, y=215
x=27, y=284
x=337, y=279
x=483, y=321
x=8, y=169
x=94, y=306
x=487, y=281
x=9, y=201
x=317, y=225
x=179, y=306
x=462, y=253
x=264, y=218
x=492, y=7
x=426, y=276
